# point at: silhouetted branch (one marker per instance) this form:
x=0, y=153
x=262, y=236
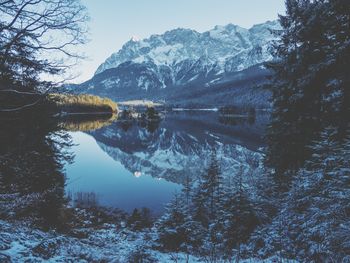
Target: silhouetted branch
x=38, y=37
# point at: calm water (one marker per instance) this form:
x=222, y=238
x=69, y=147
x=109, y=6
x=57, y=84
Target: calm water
x=131, y=165
x=94, y=171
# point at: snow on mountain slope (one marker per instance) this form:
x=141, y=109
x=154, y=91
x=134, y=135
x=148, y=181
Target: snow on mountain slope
x=217, y=46
x=181, y=63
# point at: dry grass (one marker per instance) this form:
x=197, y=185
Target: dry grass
x=83, y=103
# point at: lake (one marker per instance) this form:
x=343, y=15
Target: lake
x=112, y=184
x=128, y=164
x=116, y=163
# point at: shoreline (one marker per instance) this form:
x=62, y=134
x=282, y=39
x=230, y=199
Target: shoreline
x=86, y=113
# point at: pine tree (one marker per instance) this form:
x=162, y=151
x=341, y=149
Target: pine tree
x=210, y=187
x=208, y=211
x=323, y=200
x=173, y=233
x=239, y=216
x=315, y=225
x=311, y=80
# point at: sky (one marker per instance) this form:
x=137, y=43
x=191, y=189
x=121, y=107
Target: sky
x=114, y=22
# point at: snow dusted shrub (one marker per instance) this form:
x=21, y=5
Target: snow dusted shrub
x=141, y=255
x=48, y=248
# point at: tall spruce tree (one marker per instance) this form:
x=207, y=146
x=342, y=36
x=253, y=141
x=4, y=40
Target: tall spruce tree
x=239, y=218
x=311, y=82
x=211, y=187
x=208, y=214
x=321, y=201
x=313, y=225
x=173, y=233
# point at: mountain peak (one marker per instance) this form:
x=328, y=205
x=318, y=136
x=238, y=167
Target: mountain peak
x=135, y=39
x=219, y=45
x=228, y=27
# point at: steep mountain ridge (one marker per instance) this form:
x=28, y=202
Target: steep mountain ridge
x=167, y=66
x=218, y=46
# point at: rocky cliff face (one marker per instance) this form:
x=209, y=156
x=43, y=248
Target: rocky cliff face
x=162, y=67
x=224, y=49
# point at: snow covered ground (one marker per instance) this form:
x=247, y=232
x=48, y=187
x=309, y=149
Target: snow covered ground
x=23, y=244
x=20, y=243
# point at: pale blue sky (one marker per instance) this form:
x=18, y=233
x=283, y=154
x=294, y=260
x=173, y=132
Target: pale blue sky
x=113, y=22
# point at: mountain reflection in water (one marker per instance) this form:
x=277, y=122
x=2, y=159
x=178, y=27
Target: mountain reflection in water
x=126, y=164
x=113, y=162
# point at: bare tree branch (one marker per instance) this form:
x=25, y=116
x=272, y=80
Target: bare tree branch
x=38, y=37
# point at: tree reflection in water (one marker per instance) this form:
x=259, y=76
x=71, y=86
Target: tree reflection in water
x=33, y=153
x=87, y=122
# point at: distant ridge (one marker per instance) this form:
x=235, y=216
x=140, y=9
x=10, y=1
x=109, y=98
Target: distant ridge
x=180, y=60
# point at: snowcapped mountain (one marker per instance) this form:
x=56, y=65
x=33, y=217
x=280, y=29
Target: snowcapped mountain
x=162, y=66
x=229, y=48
